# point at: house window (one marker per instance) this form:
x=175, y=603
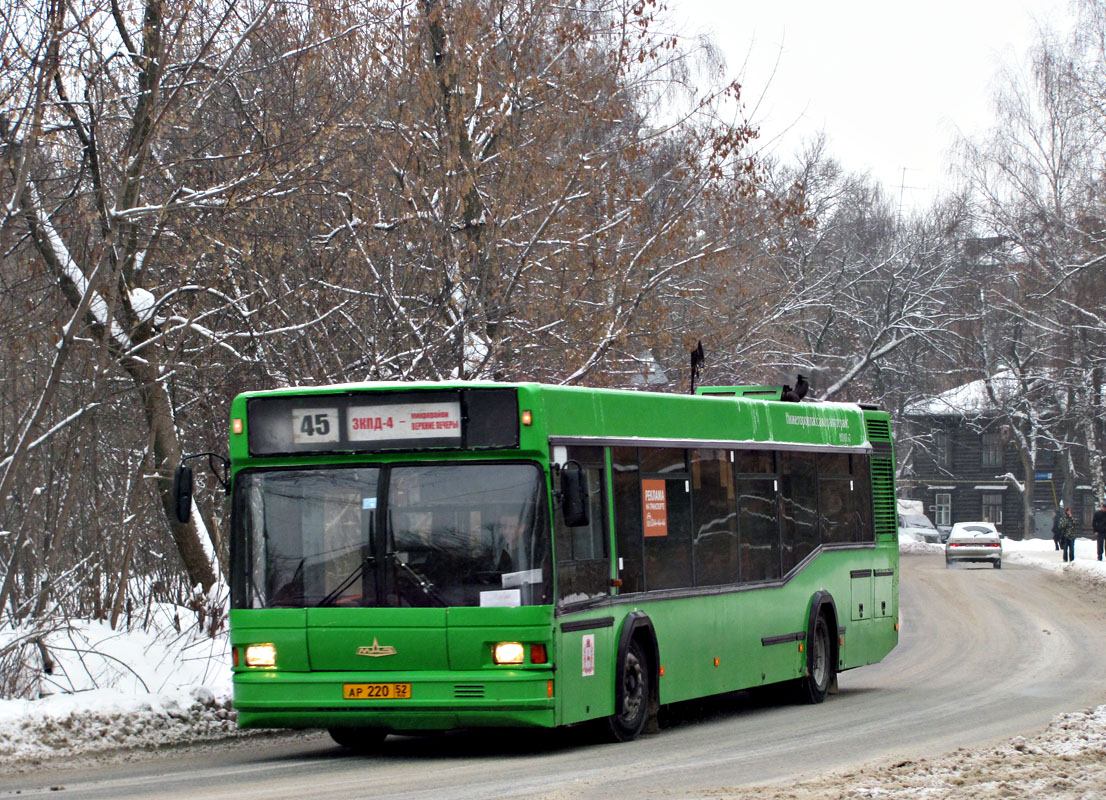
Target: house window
x=992, y=508
x=992, y=450
x=942, y=509
x=942, y=448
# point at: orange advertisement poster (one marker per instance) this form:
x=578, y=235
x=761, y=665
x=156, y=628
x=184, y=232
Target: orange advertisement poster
x=654, y=507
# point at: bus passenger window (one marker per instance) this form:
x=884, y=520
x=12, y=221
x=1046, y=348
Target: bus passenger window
x=760, y=532
x=862, y=499
x=627, y=518
x=583, y=564
x=714, y=515
x=798, y=507
x=835, y=507
x=666, y=508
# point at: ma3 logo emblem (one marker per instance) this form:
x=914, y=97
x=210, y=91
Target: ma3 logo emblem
x=377, y=650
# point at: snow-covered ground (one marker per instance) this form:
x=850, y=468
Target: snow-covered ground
x=109, y=689
x=112, y=690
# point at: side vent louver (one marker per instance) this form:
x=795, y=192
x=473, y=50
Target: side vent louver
x=879, y=430
x=883, y=494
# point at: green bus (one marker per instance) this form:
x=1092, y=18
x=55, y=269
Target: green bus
x=411, y=557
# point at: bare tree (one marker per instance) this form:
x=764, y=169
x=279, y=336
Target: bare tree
x=129, y=129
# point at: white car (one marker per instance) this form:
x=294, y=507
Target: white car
x=974, y=541
x=917, y=527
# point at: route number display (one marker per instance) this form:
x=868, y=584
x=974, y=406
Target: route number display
x=372, y=422
x=314, y=425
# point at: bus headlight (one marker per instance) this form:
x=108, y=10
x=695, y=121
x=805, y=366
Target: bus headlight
x=508, y=653
x=261, y=655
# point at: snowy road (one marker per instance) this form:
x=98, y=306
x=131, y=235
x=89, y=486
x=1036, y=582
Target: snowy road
x=985, y=654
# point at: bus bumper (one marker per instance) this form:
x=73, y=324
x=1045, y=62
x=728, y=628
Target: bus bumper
x=274, y=699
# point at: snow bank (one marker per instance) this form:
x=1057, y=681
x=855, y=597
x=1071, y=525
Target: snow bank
x=113, y=689
x=1042, y=553
x=104, y=719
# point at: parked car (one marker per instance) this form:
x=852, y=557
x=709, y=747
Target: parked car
x=974, y=541
x=918, y=527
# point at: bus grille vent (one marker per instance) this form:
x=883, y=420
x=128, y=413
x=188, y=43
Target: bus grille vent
x=879, y=430
x=883, y=494
x=468, y=690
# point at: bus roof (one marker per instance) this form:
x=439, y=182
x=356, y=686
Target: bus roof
x=568, y=414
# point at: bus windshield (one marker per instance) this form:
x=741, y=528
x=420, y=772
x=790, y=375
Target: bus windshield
x=391, y=536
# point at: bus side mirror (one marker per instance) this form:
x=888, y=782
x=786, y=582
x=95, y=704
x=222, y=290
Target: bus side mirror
x=182, y=494
x=574, y=495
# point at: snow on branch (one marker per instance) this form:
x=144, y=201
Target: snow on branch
x=71, y=273
x=32, y=445
x=1009, y=476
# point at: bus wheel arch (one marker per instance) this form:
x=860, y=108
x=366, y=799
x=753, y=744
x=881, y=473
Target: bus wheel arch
x=821, y=650
x=636, y=679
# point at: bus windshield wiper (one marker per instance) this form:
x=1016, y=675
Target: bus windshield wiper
x=287, y=595
x=347, y=582
x=423, y=583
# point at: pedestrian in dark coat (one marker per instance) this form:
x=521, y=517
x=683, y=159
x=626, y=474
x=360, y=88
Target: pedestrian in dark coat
x=1056, y=526
x=1067, y=535
x=1099, y=525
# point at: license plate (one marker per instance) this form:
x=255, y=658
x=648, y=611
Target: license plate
x=376, y=691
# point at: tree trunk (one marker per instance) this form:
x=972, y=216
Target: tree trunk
x=199, y=561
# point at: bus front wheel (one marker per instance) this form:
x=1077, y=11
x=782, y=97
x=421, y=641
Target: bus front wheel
x=631, y=696
x=814, y=685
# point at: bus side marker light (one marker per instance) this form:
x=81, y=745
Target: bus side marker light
x=549, y=688
x=527, y=418
x=538, y=654
x=716, y=661
x=261, y=655
x=508, y=653
x=800, y=647
x=234, y=655
x=236, y=425
x=896, y=626
x=662, y=672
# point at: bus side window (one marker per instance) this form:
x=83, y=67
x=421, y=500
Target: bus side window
x=836, y=489
x=627, y=518
x=714, y=516
x=759, y=528
x=583, y=563
x=798, y=506
x=666, y=508
x=862, y=498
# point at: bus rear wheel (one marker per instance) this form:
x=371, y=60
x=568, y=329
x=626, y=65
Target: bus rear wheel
x=631, y=696
x=814, y=685
x=360, y=739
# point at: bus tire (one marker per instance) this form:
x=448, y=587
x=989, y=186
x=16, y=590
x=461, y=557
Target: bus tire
x=360, y=739
x=632, y=694
x=820, y=669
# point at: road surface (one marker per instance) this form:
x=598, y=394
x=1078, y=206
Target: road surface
x=984, y=654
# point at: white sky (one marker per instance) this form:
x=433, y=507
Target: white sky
x=891, y=82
